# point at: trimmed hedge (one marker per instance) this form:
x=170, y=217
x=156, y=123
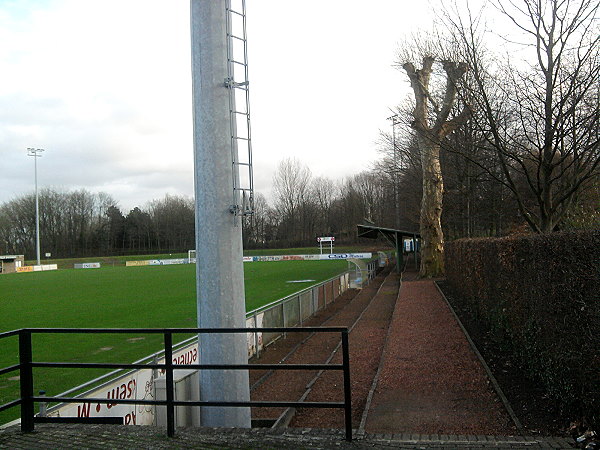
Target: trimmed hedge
x=540, y=294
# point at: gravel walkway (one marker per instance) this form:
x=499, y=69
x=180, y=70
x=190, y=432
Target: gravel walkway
x=366, y=342
x=291, y=385
x=430, y=380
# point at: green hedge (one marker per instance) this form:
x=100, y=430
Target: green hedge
x=540, y=295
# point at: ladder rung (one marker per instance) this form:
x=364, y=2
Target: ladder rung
x=235, y=12
x=236, y=86
x=241, y=138
x=239, y=112
x=236, y=37
x=243, y=164
x=237, y=62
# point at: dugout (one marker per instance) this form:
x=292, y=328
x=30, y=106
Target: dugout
x=396, y=238
x=10, y=263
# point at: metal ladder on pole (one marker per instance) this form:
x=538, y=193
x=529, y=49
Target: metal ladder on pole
x=239, y=109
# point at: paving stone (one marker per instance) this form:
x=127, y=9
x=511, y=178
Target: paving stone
x=74, y=436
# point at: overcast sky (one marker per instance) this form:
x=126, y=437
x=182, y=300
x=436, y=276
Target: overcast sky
x=104, y=87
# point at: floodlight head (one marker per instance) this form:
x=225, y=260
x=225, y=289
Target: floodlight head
x=34, y=151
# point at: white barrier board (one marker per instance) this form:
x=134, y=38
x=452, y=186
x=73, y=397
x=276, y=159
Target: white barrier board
x=166, y=262
x=137, y=385
x=90, y=265
x=308, y=257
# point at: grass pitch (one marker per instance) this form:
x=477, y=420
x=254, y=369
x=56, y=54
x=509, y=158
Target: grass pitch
x=119, y=297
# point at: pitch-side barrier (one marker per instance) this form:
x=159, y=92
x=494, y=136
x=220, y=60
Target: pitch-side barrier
x=144, y=383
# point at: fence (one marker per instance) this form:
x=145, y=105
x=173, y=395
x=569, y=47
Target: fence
x=267, y=324
x=26, y=365
x=292, y=311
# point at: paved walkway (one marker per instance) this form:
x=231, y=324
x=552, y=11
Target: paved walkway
x=430, y=380
x=50, y=436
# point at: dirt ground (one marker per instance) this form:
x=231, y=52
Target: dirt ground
x=291, y=385
x=366, y=341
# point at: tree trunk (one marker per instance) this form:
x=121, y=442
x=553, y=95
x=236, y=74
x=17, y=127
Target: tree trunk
x=432, y=252
x=429, y=138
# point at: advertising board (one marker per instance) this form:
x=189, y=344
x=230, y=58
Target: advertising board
x=346, y=256
x=166, y=262
x=137, y=385
x=136, y=263
x=41, y=268
x=89, y=265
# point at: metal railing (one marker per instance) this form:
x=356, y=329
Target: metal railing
x=285, y=303
x=26, y=365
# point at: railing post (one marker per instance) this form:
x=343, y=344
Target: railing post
x=283, y=317
x=347, y=386
x=300, y=309
x=256, y=342
x=43, y=406
x=169, y=383
x=26, y=381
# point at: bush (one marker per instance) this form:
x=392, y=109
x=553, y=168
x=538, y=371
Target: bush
x=540, y=294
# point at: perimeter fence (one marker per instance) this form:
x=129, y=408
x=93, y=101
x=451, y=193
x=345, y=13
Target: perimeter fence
x=27, y=399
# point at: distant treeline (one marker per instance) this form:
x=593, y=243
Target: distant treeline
x=80, y=223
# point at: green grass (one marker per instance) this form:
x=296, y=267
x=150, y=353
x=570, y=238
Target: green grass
x=114, y=297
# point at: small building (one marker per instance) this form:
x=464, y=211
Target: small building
x=10, y=263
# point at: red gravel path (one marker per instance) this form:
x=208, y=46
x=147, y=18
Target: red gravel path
x=291, y=385
x=366, y=342
x=431, y=381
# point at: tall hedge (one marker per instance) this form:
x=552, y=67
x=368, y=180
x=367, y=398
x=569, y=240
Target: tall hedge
x=541, y=295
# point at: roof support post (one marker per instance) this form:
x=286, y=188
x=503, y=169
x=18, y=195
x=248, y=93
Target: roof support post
x=399, y=253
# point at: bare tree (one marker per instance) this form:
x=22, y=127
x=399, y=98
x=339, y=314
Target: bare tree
x=541, y=113
x=291, y=186
x=258, y=228
x=172, y=222
x=435, y=117
x=323, y=195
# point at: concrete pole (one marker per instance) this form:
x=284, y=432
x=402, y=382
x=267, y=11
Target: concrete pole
x=37, y=216
x=219, y=266
x=35, y=152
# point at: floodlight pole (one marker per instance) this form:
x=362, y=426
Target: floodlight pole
x=219, y=265
x=35, y=152
x=394, y=120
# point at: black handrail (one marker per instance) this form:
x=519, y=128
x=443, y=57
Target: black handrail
x=26, y=364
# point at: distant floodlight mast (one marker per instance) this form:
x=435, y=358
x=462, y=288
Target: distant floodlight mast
x=395, y=172
x=219, y=266
x=35, y=152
